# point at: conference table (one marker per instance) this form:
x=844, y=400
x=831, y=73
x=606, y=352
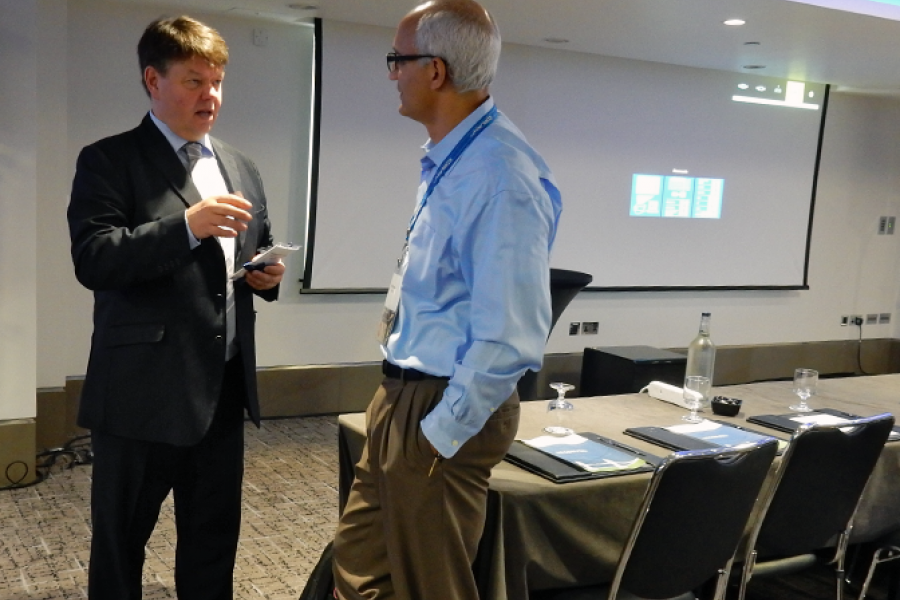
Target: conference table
x=543, y=535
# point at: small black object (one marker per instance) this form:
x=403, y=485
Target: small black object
x=255, y=267
x=728, y=407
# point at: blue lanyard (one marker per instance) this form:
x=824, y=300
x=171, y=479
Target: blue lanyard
x=451, y=159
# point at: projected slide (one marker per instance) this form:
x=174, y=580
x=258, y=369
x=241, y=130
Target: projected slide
x=676, y=196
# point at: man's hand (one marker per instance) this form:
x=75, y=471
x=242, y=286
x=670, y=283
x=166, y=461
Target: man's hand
x=221, y=216
x=267, y=278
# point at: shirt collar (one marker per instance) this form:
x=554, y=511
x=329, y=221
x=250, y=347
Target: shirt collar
x=177, y=141
x=436, y=153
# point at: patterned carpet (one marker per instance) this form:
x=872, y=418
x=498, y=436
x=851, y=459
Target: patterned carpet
x=290, y=512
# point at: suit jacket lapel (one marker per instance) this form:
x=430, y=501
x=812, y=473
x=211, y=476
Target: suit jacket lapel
x=232, y=177
x=159, y=152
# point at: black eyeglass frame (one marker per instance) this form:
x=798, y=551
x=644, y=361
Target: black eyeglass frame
x=393, y=59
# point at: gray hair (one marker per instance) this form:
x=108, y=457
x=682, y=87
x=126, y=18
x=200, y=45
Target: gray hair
x=465, y=36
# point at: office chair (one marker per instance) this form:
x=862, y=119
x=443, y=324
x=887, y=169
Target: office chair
x=564, y=286
x=687, y=530
x=817, y=487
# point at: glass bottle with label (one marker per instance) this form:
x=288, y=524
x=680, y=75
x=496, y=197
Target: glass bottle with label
x=701, y=357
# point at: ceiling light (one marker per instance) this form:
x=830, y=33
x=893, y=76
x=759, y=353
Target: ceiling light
x=556, y=40
x=751, y=43
x=754, y=66
x=735, y=22
x=301, y=6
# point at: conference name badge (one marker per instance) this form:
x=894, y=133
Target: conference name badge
x=392, y=300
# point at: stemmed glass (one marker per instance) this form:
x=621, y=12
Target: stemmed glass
x=695, y=388
x=805, y=381
x=559, y=406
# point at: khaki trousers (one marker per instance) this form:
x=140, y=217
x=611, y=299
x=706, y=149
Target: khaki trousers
x=405, y=534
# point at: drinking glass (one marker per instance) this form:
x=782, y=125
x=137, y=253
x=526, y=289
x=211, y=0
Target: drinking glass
x=805, y=381
x=558, y=408
x=695, y=388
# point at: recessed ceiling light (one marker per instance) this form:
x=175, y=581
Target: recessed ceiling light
x=556, y=40
x=301, y=6
x=754, y=66
x=735, y=22
x=751, y=43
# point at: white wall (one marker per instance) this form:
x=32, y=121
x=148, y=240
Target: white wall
x=18, y=153
x=852, y=269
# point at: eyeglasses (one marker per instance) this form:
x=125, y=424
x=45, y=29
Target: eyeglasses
x=393, y=59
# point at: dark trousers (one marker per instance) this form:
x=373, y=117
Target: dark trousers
x=408, y=532
x=132, y=478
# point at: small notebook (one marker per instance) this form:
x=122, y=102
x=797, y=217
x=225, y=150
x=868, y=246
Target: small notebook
x=789, y=422
x=705, y=435
x=578, y=457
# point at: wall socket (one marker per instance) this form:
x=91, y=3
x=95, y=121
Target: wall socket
x=886, y=225
x=590, y=327
x=574, y=328
x=867, y=319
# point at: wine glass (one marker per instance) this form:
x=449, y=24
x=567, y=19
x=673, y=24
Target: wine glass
x=695, y=388
x=559, y=407
x=805, y=381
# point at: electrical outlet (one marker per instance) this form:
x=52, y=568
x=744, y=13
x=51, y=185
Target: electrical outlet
x=574, y=328
x=891, y=221
x=872, y=319
x=882, y=225
x=590, y=327
x=856, y=320
x=884, y=318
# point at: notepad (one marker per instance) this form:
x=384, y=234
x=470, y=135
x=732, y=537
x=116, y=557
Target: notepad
x=586, y=454
x=721, y=434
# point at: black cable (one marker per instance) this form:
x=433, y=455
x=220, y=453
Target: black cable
x=859, y=323
x=75, y=451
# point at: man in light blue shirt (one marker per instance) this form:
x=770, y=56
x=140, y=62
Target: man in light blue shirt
x=468, y=314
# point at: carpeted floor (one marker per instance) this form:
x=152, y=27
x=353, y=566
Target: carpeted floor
x=290, y=512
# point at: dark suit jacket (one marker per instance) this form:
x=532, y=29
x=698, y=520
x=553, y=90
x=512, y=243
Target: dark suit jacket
x=158, y=347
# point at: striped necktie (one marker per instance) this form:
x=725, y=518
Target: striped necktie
x=193, y=151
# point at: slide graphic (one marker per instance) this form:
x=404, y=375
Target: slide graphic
x=676, y=196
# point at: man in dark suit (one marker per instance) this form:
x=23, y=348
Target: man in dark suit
x=157, y=226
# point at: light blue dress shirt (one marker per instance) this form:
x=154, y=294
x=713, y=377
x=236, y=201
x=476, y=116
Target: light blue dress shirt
x=475, y=301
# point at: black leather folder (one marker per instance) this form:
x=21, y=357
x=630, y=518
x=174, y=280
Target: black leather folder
x=558, y=471
x=680, y=441
x=786, y=423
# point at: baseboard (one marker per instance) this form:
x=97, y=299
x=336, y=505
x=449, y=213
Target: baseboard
x=17, y=452
x=292, y=391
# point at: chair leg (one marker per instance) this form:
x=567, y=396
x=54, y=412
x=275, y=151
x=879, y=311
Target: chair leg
x=722, y=581
x=746, y=574
x=840, y=554
x=882, y=555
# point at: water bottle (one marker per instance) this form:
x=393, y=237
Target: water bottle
x=701, y=357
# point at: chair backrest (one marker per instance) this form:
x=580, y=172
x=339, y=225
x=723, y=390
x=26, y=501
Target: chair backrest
x=564, y=286
x=821, y=477
x=692, y=518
